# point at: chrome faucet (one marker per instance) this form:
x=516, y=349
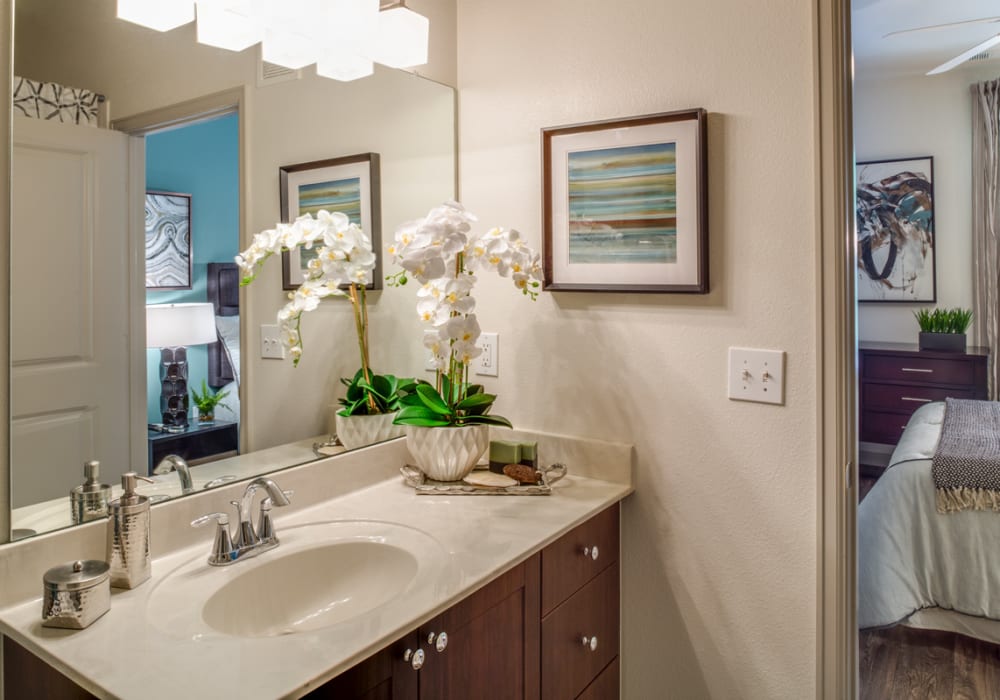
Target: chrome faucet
x=246, y=541
x=176, y=463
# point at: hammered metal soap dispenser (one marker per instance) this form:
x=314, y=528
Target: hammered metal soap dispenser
x=89, y=501
x=128, y=535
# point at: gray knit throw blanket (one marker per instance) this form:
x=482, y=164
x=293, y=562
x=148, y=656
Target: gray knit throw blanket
x=966, y=466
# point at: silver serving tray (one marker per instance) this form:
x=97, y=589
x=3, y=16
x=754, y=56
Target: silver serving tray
x=412, y=476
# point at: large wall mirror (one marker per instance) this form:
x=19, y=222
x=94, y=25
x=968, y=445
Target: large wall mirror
x=192, y=137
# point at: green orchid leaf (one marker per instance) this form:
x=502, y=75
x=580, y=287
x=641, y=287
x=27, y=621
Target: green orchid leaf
x=487, y=420
x=433, y=400
x=476, y=401
x=419, y=415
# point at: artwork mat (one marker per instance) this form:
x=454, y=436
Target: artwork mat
x=190, y=244
x=363, y=166
x=687, y=129
x=894, y=166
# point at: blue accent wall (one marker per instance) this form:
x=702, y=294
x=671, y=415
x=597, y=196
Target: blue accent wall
x=201, y=160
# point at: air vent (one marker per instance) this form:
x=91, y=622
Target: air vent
x=271, y=73
x=981, y=56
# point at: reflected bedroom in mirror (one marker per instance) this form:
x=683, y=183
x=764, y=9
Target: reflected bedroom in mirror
x=143, y=163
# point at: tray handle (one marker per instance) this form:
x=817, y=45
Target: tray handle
x=554, y=472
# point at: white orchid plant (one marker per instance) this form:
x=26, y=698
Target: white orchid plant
x=341, y=268
x=442, y=253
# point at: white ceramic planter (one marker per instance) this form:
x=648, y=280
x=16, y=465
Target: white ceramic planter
x=358, y=431
x=447, y=454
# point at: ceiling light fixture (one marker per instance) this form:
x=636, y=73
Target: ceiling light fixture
x=344, y=38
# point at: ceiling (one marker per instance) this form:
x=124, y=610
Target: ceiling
x=919, y=52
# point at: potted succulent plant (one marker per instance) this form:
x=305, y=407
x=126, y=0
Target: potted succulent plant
x=447, y=423
x=206, y=402
x=343, y=262
x=943, y=329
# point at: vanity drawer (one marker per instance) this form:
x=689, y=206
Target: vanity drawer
x=901, y=397
x=568, y=665
x=920, y=369
x=565, y=566
x=605, y=686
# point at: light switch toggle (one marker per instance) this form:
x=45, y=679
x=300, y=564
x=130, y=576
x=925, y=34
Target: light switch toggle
x=757, y=375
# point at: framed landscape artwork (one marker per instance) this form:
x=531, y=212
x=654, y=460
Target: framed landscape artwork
x=168, y=240
x=350, y=185
x=626, y=205
x=896, y=246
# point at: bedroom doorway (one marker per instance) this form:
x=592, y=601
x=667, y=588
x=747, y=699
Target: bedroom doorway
x=190, y=180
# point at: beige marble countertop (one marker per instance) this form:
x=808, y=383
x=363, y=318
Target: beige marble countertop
x=124, y=655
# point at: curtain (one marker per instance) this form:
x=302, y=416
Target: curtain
x=985, y=225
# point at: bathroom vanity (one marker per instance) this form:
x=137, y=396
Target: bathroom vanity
x=504, y=597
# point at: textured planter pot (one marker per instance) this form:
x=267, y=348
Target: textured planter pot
x=447, y=454
x=358, y=431
x=943, y=342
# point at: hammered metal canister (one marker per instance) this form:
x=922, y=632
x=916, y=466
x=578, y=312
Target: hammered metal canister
x=128, y=536
x=76, y=594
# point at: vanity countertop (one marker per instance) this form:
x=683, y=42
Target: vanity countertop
x=124, y=655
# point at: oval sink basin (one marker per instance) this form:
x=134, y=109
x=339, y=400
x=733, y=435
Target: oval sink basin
x=318, y=588
x=323, y=575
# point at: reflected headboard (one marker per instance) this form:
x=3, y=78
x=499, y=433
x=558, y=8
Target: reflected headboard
x=224, y=295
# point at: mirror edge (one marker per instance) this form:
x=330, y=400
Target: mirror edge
x=6, y=78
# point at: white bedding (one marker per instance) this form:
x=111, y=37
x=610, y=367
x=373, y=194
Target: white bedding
x=912, y=558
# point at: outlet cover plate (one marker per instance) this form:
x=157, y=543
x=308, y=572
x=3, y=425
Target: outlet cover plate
x=757, y=375
x=488, y=364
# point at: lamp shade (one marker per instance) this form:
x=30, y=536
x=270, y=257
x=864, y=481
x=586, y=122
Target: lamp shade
x=161, y=15
x=173, y=325
x=402, y=38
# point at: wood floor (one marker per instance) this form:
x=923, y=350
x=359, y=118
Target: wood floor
x=927, y=665
x=923, y=664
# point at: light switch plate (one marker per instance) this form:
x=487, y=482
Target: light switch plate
x=757, y=375
x=271, y=347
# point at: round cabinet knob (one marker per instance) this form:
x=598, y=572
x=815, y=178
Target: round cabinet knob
x=440, y=641
x=591, y=552
x=416, y=658
x=590, y=643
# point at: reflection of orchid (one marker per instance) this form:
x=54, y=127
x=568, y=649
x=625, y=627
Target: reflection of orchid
x=441, y=252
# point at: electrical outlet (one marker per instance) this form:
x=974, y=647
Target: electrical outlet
x=271, y=347
x=488, y=364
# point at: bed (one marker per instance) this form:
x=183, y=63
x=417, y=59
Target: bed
x=918, y=567
x=224, y=356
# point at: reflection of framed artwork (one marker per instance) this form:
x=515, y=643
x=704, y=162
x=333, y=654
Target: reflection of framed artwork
x=896, y=246
x=168, y=240
x=626, y=204
x=349, y=185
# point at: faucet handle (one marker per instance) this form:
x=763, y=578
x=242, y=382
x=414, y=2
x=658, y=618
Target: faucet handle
x=265, y=528
x=223, y=551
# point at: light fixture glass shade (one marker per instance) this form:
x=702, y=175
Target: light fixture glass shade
x=402, y=38
x=227, y=25
x=161, y=15
x=344, y=67
x=174, y=325
x=288, y=49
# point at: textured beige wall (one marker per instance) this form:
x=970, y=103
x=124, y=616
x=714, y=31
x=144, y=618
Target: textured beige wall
x=719, y=578
x=900, y=116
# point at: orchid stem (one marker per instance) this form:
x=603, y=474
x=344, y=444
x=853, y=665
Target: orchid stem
x=358, y=300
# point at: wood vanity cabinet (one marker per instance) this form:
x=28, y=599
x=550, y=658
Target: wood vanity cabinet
x=520, y=636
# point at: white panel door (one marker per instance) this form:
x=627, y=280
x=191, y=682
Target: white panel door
x=70, y=397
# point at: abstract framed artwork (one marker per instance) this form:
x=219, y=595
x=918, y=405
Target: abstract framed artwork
x=896, y=245
x=349, y=184
x=626, y=204
x=168, y=240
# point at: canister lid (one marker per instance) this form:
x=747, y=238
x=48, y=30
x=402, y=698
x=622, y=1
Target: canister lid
x=76, y=575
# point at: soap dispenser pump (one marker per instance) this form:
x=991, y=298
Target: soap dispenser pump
x=89, y=500
x=128, y=535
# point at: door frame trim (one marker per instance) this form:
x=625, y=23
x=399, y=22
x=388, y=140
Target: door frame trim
x=836, y=624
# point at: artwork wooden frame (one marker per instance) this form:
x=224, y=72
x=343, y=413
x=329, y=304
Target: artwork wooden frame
x=168, y=240
x=645, y=228
x=896, y=241
x=349, y=184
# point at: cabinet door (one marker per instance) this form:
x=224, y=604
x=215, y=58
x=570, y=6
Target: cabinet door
x=383, y=676
x=492, y=648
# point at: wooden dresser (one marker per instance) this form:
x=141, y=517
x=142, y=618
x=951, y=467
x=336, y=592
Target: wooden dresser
x=896, y=379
